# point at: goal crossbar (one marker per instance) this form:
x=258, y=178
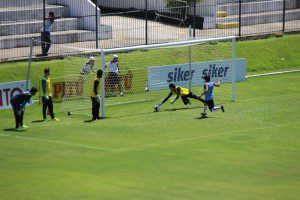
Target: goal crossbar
x=169, y=44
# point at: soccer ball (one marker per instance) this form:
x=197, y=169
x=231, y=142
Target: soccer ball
x=146, y=89
x=69, y=113
x=156, y=107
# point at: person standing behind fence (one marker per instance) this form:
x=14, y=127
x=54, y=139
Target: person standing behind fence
x=46, y=95
x=113, y=75
x=46, y=35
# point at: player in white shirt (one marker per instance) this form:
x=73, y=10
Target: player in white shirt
x=113, y=75
x=87, y=66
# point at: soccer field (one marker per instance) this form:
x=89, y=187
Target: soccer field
x=249, y=152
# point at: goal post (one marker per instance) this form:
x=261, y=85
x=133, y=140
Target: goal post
x=154, y=63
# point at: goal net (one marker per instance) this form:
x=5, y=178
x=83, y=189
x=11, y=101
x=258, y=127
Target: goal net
x=141, y=74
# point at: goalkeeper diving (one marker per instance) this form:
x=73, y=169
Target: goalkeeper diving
x=87, y=66
x=184, y=93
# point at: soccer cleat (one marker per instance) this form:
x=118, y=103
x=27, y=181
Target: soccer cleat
x=24, y=126
x=19, y=129
x=55, y=119
x=222, y=108
x=203, y=115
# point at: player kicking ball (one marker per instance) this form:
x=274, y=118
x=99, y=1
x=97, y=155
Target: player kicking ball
x=209, y=96
x=184, y=93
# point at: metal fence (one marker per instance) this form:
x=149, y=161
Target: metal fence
x=119, y=23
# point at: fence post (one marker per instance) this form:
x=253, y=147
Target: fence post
x=103, y=84
x=233, y=69
x=29, y=64
x=194, y=19
x=240, y=17
x=283, y=16
x=146, y=22
x=190, y=59
x=44, y=15
x=97, y=31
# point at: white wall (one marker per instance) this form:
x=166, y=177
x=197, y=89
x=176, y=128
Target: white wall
x=81, y=8
x=137, y=4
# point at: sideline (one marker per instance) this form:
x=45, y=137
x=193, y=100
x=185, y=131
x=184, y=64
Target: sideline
x=273, y=73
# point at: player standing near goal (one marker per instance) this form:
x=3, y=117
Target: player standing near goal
x=184, y=93
x=95, y=96
x=87, y=66
x=46, y=95
x=113, y=75
x=209, y=96
x=18, y=103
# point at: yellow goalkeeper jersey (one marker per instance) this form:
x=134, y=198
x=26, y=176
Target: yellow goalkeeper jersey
x=98, y=87
x=183, y=91
x=46, y=87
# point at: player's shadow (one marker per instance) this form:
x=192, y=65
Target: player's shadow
x=176, y=109
x=38, y=121
x=88, y=121
x=11, y=130
x=203, y=118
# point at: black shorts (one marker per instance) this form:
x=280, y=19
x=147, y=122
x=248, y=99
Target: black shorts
x=185, y=99
x=210, y=104
x=190, y=95
x=15, y=107
x=113, y=78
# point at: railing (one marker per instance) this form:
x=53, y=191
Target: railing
x=137, y=22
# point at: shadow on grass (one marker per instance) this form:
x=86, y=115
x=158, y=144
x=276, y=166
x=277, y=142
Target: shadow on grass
x=9, y=130
x=203, y=118
x=38, y=121
x=88, y=121
x=175, y=109
x=151, y=112
x=12, y=130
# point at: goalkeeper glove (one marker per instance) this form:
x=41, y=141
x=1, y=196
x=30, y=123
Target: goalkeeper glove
x=98, y=98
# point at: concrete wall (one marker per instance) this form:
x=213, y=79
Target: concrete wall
x=256, y=7
x=137, y=4
x=19, y=3
x=235, y=1
x=206, y=8
x=81, y=9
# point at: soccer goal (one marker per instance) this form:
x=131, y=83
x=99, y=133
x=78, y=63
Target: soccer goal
x=143, y=73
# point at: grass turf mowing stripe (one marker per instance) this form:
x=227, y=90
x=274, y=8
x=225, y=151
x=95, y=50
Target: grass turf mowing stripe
x=139, y=148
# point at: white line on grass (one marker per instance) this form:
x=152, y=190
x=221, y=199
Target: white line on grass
x=272, y=73
x=56, y=142
x=137, y=148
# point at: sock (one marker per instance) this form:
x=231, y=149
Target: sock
x=205, y=108
x=216, y=108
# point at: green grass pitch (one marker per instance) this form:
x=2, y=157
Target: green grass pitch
x=249, y=152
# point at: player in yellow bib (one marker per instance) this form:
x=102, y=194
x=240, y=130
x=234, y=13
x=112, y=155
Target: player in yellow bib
x=46, y=95
x=95, y=95
x=184, y=93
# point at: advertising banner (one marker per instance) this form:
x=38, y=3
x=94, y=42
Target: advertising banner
x=161, y=76
x=10, y=89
